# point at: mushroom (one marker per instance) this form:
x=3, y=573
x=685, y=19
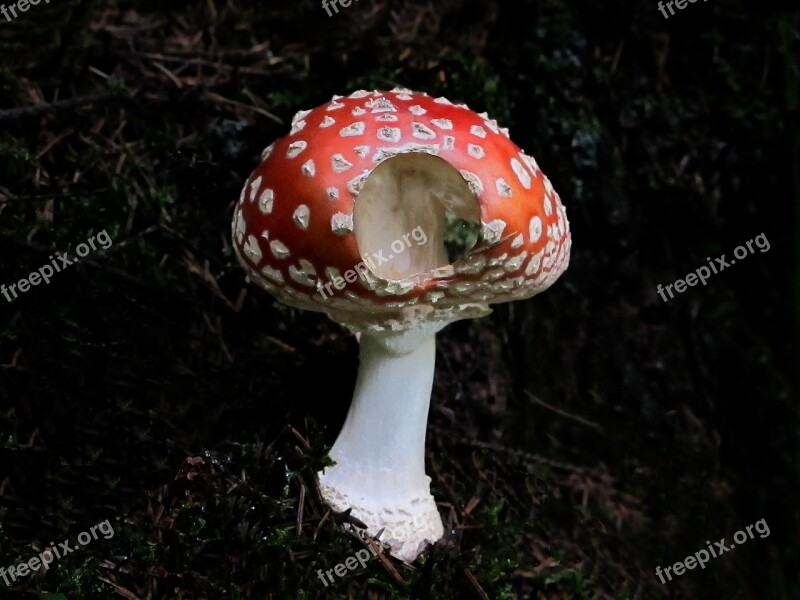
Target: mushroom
x=333, y=219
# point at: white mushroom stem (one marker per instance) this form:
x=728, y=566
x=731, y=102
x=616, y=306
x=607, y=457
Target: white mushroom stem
x=380, y=452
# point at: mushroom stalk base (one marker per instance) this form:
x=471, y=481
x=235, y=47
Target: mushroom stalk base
x=380, y=452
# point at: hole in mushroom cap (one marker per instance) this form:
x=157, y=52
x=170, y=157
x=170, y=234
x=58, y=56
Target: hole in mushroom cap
x=415, y=213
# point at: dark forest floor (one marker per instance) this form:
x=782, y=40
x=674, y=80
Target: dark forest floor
x=576, y=441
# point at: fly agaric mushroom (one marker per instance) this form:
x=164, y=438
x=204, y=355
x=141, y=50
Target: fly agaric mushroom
x=330, y=202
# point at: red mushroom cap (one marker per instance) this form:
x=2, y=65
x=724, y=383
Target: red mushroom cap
x=293, y=224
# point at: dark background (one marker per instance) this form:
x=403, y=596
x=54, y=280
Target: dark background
x=576, y=441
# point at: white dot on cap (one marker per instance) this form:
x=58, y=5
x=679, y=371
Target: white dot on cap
x=296, y=148
x=297, y=127
x=353, y=129
x=341, y=223
x=535, y=229
x=267, y=151
x=493, y=230
x=309, y=168
x=548, y=205
x=252, y=250
x=476, y=151
x=512, y=264
x=254, y=187
x=422, y=131
x=355, y=184
x=523, y=175
x=492, y=126
x=307, y=267
x=340, y=164
x=302, y=215
x=534, y=264
x=478, y=131
x=390, y=134
x=531, y=162
x=279, y=249
x=473, y=181
x=380, y=105
x=300, y=115
x=273, y=274
x=239, y=227
x=503, y=188
x=300, y=276
x=266, y=200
